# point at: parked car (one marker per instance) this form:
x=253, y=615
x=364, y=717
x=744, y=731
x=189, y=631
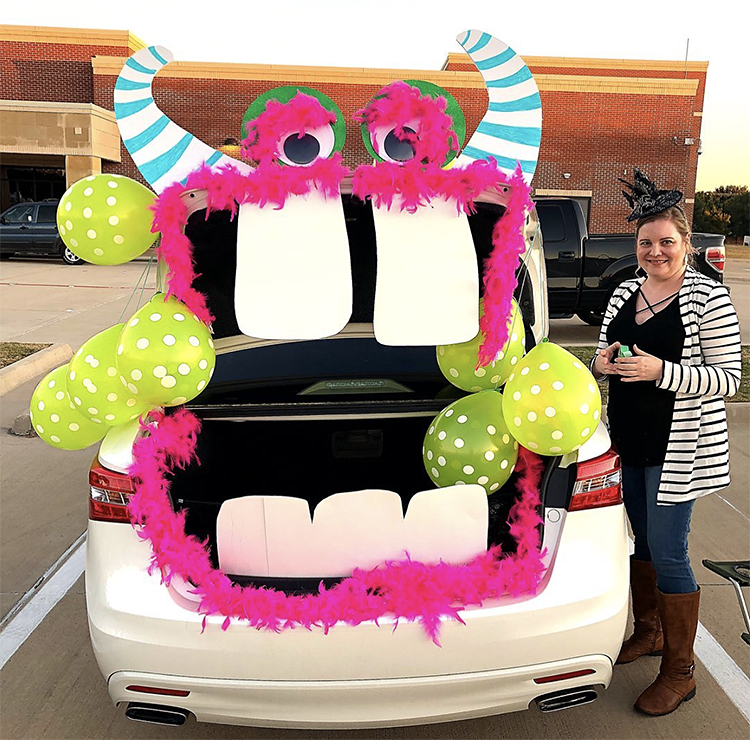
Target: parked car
x=584, y=269
x=31, y=228
x=555, y=648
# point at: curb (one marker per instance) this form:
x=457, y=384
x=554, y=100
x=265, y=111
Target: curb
x=30, y=367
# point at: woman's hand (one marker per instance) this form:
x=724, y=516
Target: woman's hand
x=642, y=366
x=604, y=362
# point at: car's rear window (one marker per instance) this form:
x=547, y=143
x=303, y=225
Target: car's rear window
x=47, y=214
x=326, y=370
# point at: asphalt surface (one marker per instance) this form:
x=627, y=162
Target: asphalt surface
x=52, y=688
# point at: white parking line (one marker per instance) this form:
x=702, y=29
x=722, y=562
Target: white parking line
x=730, y=677
x=29, y=617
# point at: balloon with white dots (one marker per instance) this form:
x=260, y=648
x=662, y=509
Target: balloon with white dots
x=56, y=420
x=553, y=404
x=106, y=219
x=93, y=378
x=458, y=362
x=469, y=442
x=165, y=355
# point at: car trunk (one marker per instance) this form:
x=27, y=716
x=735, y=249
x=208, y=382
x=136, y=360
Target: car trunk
x=309, y=419
x=312, y=453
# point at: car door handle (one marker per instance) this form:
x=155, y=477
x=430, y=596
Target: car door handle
x=566, y=256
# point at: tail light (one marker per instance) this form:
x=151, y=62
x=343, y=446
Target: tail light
x=598, y=483
x=110, y=493
x=716, y=256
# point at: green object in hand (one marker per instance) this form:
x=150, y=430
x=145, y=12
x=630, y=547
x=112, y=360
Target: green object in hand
x=625, y=351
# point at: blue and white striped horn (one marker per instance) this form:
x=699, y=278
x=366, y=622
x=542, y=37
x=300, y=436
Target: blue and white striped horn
x=511, y=130
x=163, y=151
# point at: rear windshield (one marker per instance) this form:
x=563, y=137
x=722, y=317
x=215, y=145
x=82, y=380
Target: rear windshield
x=326, y=370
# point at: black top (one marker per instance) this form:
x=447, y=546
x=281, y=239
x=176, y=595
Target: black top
x=640, y=414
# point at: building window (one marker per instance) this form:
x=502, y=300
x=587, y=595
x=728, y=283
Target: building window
x=26, y=184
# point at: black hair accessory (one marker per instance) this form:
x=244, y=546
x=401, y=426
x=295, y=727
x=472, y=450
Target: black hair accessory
x=647, y=199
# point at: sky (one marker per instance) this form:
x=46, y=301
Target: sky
x=418, y=34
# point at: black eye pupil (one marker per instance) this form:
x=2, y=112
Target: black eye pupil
x=301, y=150
x=397, y=149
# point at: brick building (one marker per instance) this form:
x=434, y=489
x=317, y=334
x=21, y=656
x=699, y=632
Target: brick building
x=601, y=116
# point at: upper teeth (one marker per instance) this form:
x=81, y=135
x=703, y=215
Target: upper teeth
x=274, y=536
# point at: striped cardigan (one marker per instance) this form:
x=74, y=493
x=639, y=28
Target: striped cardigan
x=697, y=457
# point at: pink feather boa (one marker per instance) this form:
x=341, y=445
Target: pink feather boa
x=508, y=245
x=405, y=589
x=301, y=113
x=398, y=104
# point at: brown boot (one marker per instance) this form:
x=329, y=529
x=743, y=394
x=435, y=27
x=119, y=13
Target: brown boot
x=647, y=636
x=675, y=682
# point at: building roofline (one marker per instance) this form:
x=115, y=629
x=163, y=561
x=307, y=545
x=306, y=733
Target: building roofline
x=76, y=36
x=663, y=65
x=359, y=75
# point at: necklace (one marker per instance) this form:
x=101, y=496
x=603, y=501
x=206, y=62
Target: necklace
x=650, y=306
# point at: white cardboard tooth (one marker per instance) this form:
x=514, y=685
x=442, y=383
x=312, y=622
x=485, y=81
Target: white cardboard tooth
x=241, y=537
x=294, y=277
x=455, y=531
x=358, y=529
x=427, y=289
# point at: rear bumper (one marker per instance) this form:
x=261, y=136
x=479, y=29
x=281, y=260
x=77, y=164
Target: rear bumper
x=361, y=704
x=577, y=621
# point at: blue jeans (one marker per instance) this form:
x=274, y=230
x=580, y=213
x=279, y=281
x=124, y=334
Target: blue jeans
x=660, y=531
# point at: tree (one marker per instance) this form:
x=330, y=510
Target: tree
x=710, y=218
x=738, y=208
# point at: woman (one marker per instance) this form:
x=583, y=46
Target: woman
x=668, y=421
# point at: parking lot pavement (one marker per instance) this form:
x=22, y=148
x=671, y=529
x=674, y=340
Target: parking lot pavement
x=43, y=499
x=48, y=301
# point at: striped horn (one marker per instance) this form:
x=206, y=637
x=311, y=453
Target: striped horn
x=511, y=130
x=163, y=151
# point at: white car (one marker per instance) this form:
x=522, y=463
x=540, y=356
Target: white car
x=354, y=413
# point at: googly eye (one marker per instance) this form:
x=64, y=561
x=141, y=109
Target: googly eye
x=390, y=147
x=300, y=151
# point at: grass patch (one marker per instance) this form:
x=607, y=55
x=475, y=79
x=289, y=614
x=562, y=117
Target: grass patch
x=11, y=352
x=737, y=252
x=585, y=352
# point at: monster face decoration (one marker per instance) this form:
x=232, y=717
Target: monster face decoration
x=294, y=281
x=292, y=247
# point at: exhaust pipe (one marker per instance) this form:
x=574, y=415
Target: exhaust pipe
x=566, y=699
x=156, y=714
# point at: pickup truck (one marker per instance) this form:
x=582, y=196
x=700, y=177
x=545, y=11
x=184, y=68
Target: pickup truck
x=584, y=269
x=31, y=228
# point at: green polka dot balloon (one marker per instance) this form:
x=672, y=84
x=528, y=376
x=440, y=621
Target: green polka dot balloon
x=552, y=403
x=166, y=355
x=106, y=220
x=458, y=361
x=469, y=442
x=56, y=420
x=94, y=382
